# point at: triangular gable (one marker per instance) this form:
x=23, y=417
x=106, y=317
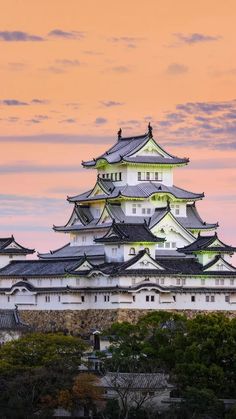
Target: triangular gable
x=13, y=245
x=74, y=219
x=151, y=148
x=169, y=223
x=217, y=243
x=219, y=265
x=145, y=262
x=85, y=266
x=105, y=217
x=97, y=190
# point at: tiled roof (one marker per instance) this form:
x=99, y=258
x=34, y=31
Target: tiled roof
x=142, y=190
x=8, y=241
x=128, y=233
x=193, y=219
x=37, y=268
x=134, y=381
x=10, y=320
x=204, y=243
x=74, y=252
x=125, y=147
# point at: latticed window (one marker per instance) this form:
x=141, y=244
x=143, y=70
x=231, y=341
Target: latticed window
x=132, y=251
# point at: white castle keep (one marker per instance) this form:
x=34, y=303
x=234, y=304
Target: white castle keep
x=136, y=242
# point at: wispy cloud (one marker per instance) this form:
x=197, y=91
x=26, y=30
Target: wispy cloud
x=13, y=102
x=100, y=121
x=127, y=41
x=111, y=103
x=61, y=34
x=19, y=36
x=192, y=39
x=176, y=69
x=56, y=138
x=68, y=121
x=17, y=102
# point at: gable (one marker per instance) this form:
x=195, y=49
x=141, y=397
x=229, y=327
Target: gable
x=150, y=149
x=74, y=219
x=145, y=262
x=169, y=225
x=217, y=243
x=84, y=266
x=105, y=217
x=13, y=245
x=97, y=190
x=220, y=265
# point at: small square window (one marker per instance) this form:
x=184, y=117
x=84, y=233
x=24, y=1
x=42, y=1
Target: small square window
x=222, y=282
x=207, y=298
x=162, y=281
x=212, y=298
x=134, y=298
x=59, y=298
x=143, y=210
x=183, y=281
x=217, y=281
x=139, y=176
x=167, y=245
x=227, y=299
x=148, y=176
x=152, y=298
x=193, y=298
x=148, y=210
x=147, y=297
x=82, y=298
x=95, y=298
x=178, y=281
x=232, y=282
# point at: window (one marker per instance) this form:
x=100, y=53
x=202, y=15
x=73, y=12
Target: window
x=77, y=282
x=173, y=245
x=167, y=245
x=59, y=298
x=148, y=176
x=116, y=177
x=134, y=298
x=217, y=281
x=147, y=298
x=222, y=282
x=193, y=298
x=227, y=299
x=161, y=245
x=207, y=298
x=82, y=298
x=139, y=176
x=174, y=298
x=178, y=281
x=143, y=210
x=8, y=299
x=120, y=176
x=177, y=210
x=183, y=281
x=114, y=251
x=162, y=281
x=202, y=281
x=212, y=298
x=83, y=239
x=152, y=298
x=232, y=282
x=106, y=298
x=132, y=251
x=47, y=298
x=134, y=209
x=95, y=298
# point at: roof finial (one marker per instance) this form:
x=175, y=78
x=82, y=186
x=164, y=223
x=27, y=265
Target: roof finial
x=149, y=130
x=119, y=134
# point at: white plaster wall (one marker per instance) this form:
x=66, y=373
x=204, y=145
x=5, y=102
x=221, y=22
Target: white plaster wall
x=4, y=260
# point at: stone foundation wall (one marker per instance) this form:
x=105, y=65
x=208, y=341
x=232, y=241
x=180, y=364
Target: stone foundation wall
x=82, y=321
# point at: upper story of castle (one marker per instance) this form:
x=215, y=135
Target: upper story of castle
x=134, y=160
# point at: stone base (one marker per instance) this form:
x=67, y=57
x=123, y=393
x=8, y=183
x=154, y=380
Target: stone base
x=82, y=321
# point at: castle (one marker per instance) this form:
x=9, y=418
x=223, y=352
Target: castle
x=136, y=242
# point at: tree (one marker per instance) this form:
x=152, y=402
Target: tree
x=33, y=369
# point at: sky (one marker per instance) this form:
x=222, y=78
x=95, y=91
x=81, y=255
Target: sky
x=73, y=72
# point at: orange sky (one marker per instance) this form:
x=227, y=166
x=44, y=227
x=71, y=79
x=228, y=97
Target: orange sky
x=73, y=72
